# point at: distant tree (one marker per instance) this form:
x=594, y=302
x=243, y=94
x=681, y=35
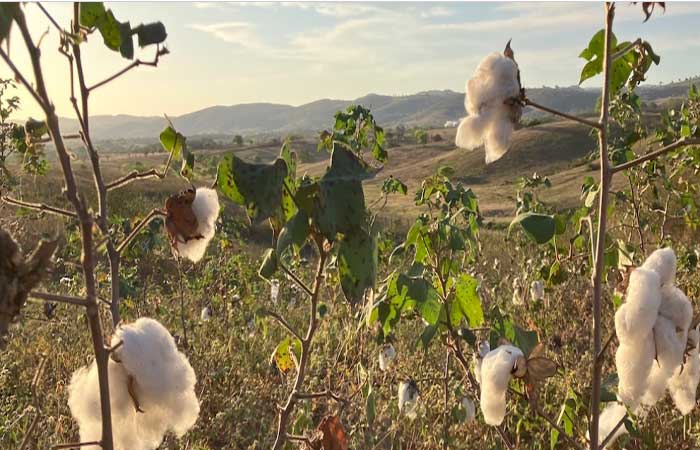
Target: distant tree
x=400, y=132
x=437, y=138
x=238, y=139
x=421, y=137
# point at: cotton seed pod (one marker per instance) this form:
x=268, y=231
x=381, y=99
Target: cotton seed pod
x=408, y=398
x=469, y=408
x=274, y=290
x=537, y=290
x=386, y=355
x=205, y=315
x=191, y=221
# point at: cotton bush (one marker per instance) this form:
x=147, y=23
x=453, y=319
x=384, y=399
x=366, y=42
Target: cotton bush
x=162, y=382
x=491, y=120
x=496, y=369
x=206, y=209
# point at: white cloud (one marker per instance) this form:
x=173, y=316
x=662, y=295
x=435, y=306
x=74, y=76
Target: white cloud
x=241, y=34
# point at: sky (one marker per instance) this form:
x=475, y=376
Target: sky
x=295, y=53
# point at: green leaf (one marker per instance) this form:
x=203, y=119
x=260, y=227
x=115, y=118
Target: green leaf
x=8, y=11
x=427, y=335
x=36, y=128
x=91, y=13
x=127, y=47
x=258, y=187
x=110, y=30
x=540, y=227
x=172, y=141
x=370, y=406
x=187, y=170
x=468, y=301
x=357, y=264
x=294, y=233
x=151, y=33
x=269, y=264
x=289, y=208
x=525, y=340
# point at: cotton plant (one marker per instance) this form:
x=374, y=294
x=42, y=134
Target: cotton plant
x=656, y=343
x=408, y=398
x=191, y=221
x=387, y=354
x=492, y=102
x=151, y=388
x=497, y=368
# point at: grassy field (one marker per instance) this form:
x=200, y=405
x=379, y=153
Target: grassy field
x=237, y=386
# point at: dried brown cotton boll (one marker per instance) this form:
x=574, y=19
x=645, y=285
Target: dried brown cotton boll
x=18, y=276
x=191, y=221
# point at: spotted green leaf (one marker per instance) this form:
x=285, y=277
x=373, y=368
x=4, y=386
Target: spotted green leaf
x=357, y=264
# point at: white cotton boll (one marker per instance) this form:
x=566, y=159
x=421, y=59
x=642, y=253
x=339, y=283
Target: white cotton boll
x=162, y=383
x=634, y=362
x=669, y=356
x=683, y=384
x=469, y=408
x=608, y=420
x=206, y=209
x=537, y=290
x=518, y=297
x=677, y=308
x=386, y=355
x=408, y=399
x=274, y=290
x=205, y=315
x=490, y=122
x=641, y=305
x=496, y=370
x=663, y=262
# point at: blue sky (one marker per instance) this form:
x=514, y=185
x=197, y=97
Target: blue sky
x=293, y=53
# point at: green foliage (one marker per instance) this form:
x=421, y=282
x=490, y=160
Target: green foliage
x=7, y=16
x=176, y=144
x=356, y=129
x=541, y=228
x=421, y=137
x=357, y=264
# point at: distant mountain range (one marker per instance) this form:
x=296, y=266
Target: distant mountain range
x=425, y=109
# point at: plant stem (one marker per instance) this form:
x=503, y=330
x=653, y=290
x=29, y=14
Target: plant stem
x=605, y=180
x=286, y=411
x=683, y=142
x=587, y=122
x=43, y=207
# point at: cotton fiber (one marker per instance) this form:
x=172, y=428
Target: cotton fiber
x=518, y=297
x=608, y=420
x=663, y=262
x=408, y=398
x=492, y=114
x=683, y=384
x=206, y=209
x=537, y=290
x=641, y=306
x=151, y=389
x=496, y=369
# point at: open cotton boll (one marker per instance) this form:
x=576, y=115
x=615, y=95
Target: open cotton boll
x=669, y=354
x=206, y=209
x=518, y=297
x=608, y=420
x=641, y=305
x=677, y=308
x=274, y=290
x=386, y=355
x=490, y=121
x=205, y=315
x=496, y=369
x=634, y=363
x=663, y=262
x=408, y=399
x=469, y=408
x=537, y=290
x=683, y=384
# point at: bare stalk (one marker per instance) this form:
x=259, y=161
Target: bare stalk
x=86, y=224
x=283, y=322
x=43, y=207
x=288, y=408
x=79, y=301
x=605, y=180
x=587, y=122
x=683, y=142
x=136, y=175
x=135, y=232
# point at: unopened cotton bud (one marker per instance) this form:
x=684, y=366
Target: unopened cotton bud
x=386, y=355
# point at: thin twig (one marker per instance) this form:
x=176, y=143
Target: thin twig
x=159, y=52
x=43, y=207
x=80, y=301
x=296, y=279
x=22, y=79
x=587, y=122
x=683, y=142
x=65, y=136
x=76, y=444
x=282, y=322
x=561, y=431
x=313, y=395
x=152, y=215
x=612, y=433
x=623, y=51
x=136, y=175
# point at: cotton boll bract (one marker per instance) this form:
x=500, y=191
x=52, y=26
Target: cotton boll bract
x=146, y=372
x=408, y=398
x=191, y=221
x=496, y=369
x=386, y=355
x=491, y=116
